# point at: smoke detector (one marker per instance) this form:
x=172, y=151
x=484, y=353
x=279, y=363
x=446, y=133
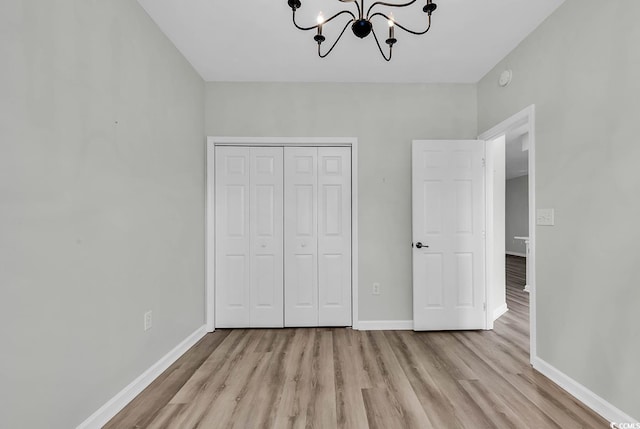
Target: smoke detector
x=505, y=78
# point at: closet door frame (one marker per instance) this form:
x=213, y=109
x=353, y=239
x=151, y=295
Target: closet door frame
x=212, y=142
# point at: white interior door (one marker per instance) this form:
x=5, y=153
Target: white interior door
x=334, y=236
x=448, y=235
x=317, y=236
x=266, y=217
x=233, y=237
x=301, y=236
x=249, y=241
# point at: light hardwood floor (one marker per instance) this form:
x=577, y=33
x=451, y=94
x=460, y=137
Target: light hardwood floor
x=340, y=378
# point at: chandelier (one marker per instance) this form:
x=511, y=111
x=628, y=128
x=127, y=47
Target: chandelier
x=362, y=24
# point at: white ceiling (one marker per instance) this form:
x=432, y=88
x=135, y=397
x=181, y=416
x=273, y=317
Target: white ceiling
x=256, y=40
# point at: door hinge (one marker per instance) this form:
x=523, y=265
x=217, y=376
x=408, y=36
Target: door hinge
x=484, y=306
x=484, y=162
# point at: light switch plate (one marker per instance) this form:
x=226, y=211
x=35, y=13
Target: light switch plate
x=148, y=320
x=545, y=217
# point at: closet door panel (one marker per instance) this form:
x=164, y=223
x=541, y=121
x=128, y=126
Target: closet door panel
x=334, y=236
x=283, y=236
x=266, y=218
x=300, y=236
x=232, y=294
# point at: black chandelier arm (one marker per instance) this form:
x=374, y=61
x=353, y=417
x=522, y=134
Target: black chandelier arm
x=417, y=33
x=357, y=5
x=360, y=11
x=323, y=22
x=380, y=47
x=336, y=42
x=381, y=3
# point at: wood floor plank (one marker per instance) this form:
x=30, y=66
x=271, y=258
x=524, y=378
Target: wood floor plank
x=225, y=410
x=263, y=392
x=212, y=383
x=437, y=407
x=322, y=410
x=342, y=378
x=143, y=409
x=499, y=356
x=512, y=399
x=371, y=372
x=164, y=418
x=446, y=375
x=402, y=395
x=350, y=408
x=223, y=358
x=297, y=381
x=262, y=409
x=500, y=416
x=381, y=414
x=548, y=403
x=568, y=402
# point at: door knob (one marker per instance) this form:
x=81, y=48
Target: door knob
x=420, y=245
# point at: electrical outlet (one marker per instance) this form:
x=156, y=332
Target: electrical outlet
x=376, y=289
x=148, y=320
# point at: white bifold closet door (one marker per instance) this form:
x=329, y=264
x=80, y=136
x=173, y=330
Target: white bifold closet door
x=249, y=237
x=317, y=236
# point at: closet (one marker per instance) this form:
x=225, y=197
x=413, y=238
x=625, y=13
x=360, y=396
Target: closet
x=282, y=236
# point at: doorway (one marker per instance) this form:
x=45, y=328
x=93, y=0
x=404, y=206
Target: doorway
x=504, y=163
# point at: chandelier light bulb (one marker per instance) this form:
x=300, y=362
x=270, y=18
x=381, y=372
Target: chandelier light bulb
x=319, y=37
x=392, y=37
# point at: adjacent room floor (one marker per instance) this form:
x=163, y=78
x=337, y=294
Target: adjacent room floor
x=335, y=378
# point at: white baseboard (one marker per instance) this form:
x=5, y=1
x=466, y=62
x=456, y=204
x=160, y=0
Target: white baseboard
x=126, y=395
x=581, y=393
x=522, y=255
x=498, y=312
x=385, y=325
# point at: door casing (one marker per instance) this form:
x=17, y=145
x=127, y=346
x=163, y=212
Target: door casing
x=212, y=142
x=526, y=116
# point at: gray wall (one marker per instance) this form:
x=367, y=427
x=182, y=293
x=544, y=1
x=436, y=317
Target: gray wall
x=102, y=184
x=101, y=204
x=517, y=214
x=581, y=68
x=384, y=118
